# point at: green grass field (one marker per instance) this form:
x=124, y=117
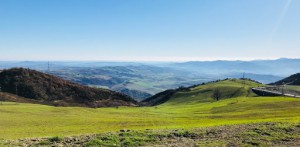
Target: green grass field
x=292, y=87
x=191, y=109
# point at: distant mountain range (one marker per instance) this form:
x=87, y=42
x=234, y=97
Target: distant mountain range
x=141, y=80
x=25, y=85
x=220, y=67
x=47, y=89
x=279, y=67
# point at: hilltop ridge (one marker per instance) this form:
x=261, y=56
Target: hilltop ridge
x=291, y=80
x=51, y=90
x=227, y=88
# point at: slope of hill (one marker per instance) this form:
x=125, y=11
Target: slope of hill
x=25, y=120
x=225, y=89
x=158, y=98
x=48, y=89
x=135, y=94
x=14, y=98
x=191, y=107
x=291, y=80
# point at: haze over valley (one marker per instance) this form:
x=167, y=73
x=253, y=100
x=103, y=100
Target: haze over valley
x=143, y=79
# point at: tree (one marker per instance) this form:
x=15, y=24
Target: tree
x=216, y=94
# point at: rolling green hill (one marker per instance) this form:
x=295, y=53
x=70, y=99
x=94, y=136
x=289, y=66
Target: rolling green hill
x=229, y=88
x=190, y=109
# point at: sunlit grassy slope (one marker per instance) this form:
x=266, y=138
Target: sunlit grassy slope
x=228, y=88
x=190, y=109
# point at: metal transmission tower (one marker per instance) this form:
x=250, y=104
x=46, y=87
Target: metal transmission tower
x=49, y=72
x=48, y=66
x=244, y=80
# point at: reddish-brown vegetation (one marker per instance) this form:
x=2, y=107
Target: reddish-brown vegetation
x=48, y=89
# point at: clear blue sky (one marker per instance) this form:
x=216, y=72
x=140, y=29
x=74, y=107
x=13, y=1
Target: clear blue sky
x=149, y=30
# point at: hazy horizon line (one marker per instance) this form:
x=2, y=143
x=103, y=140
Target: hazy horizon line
x=191, y=60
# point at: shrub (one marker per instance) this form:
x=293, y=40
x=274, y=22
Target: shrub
x=56, y=139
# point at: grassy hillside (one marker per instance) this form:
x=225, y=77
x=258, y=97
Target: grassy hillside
x=33, y=120
x=191, y=109
x=228, y=88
